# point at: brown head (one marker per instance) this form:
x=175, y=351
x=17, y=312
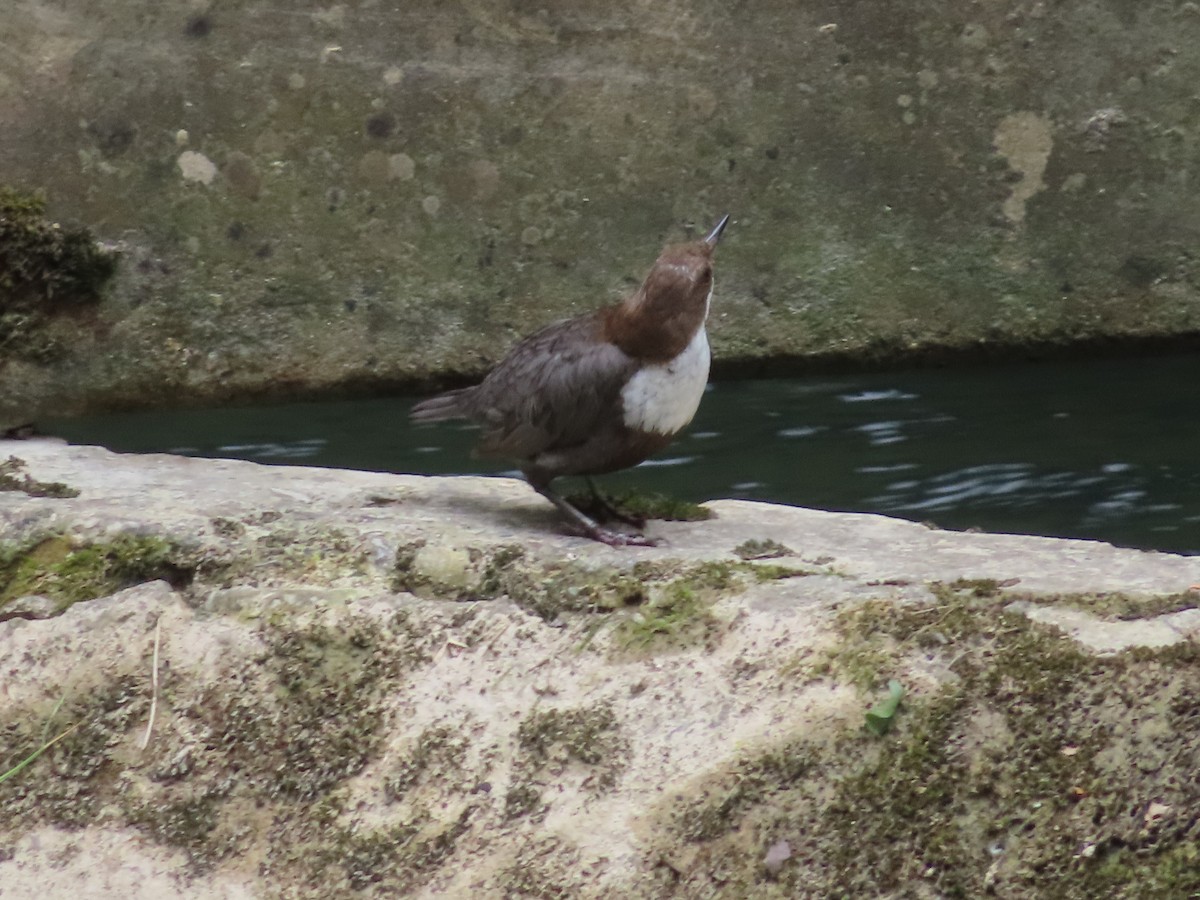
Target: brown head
x=660, y=319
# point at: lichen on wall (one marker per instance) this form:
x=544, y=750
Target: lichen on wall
x=366, y=196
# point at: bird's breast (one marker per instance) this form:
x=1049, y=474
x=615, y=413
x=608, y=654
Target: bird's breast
x=661, y=398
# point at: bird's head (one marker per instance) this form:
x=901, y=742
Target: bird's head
x=660, y=319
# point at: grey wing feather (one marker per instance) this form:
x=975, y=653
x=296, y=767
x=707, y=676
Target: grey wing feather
x=553, y=391
x=449, y=405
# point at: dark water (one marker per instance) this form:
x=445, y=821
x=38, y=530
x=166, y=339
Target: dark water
x=1107, y=450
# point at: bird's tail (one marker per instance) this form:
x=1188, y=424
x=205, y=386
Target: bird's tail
x=449, y=405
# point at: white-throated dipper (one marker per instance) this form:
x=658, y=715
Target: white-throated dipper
x=602, y=391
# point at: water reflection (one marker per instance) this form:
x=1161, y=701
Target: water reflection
x=880, y=434
x=1093, y=449
x=662, y=463
x=1003, y=484
x=876, y=396
x=306, y=448
x=800, y=431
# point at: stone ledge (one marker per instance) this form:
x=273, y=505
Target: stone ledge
x=385, y=684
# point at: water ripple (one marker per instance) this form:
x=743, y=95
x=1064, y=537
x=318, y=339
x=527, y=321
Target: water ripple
x=999, y=484
x=880, y=434
x=802, y=431
x=876, y=396
x=883, y=470
x=270, y=450
x=669, y=461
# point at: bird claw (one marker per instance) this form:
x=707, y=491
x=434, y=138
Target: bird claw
x=614, y=538
x=582, y=524
x=621, y=539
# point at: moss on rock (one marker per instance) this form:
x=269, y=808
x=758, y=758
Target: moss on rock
x=275, y=742
x=1035, y=769
x=642, y=506
x=551, y=740
x=669, y=602
x=1118, y=604
x=68, y=571
x=679, y=598
x=13, y=477
x=755, y=548
x=45, y=269
x=70, y=785
x=438, y=751
x=389, y=861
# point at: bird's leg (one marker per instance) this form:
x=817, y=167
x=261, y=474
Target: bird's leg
x=610, y=510
x=587, y=526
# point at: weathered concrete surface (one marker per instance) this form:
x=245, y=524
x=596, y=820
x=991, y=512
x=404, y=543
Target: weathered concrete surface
x=317, y=195
x=378, y=685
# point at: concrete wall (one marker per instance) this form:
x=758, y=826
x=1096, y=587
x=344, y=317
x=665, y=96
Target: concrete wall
x=310, y=195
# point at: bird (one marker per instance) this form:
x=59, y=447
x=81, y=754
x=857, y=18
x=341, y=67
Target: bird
x=599, y=392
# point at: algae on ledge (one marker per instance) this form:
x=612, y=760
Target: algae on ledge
x=554, y=739
x=668, y=601
x=68, y=571
x=1034, y=768
x=13, y=477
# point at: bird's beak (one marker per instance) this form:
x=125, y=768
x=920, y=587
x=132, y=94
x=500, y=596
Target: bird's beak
x=712, y=239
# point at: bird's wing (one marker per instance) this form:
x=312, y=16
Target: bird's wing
x=554, y=390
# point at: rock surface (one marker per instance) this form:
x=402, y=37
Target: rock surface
x=359, y=195
x=289, y=682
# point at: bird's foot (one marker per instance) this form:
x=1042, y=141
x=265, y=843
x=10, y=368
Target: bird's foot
x=611, y=537
x=621, y=538
x=584, y=525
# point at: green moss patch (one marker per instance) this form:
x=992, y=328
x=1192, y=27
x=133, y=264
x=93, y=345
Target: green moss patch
x=309, y=555
x=723, y=804
x=677, y=611
x=554, y=739
x=676, y=615
x=45, y=270
x=254, y=551
x=439, y=752
x=252, y=763
x=676, y=590
x=641, y=505
x=1102, y=604
x=545, y=589
x=69, y=784
x=317, y=670
x=13, y=477
x=767, y=548
x=56, y=567
x=389, y=861
x=192, y=824
x=1118, y=605
x=1035, y=770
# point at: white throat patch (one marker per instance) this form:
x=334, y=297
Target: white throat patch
x=663, y=398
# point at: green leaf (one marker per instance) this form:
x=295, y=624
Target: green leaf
x=879, y=718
